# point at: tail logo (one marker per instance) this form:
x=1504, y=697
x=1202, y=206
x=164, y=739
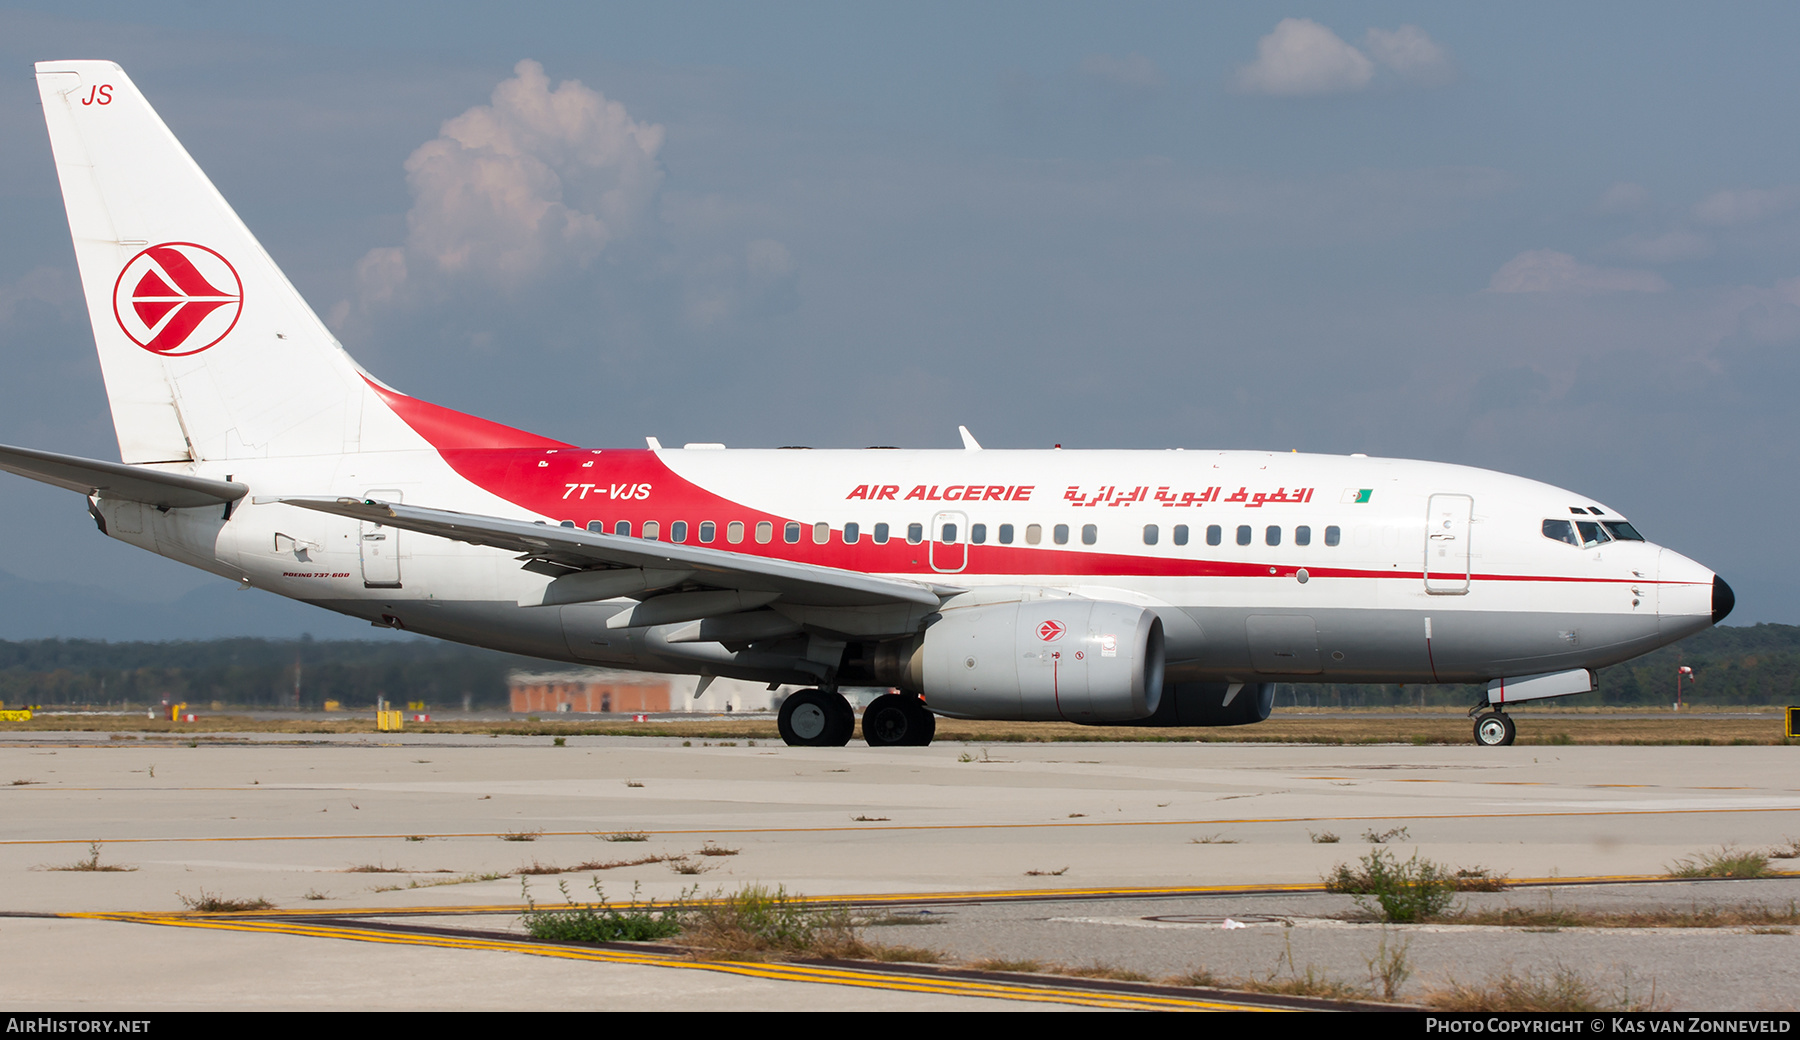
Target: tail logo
x=177, y=298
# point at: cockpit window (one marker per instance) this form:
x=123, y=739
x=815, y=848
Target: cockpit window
x=1560, y=531
x=1623, y=531
x=1592, y=534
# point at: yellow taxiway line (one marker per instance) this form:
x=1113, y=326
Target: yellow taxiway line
x=1048, y=994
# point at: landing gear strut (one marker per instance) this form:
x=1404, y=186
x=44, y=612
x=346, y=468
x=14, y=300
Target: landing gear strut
x=816, y=718
x=1494, y=729
x=896, y=720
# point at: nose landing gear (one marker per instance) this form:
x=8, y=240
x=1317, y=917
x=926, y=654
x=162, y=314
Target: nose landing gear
x=1494, y=729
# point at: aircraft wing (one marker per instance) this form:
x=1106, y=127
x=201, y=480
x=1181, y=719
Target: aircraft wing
x=576, y=550
x=117, y=480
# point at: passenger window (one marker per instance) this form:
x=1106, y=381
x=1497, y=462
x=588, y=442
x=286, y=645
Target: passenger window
x=1089, y=533
x=1150, y=534
x=765, y=532
x=947, y=534
x=1303, y=535
x=1181, y=534
x=567, y=523
x=678, y=531
x=622, y=527
x=708, y=531
x=1243, y=534
x=851, y=533
x=881, y=534
x=1214, y=534
x=1333, y=535
x=790, y=532
x=1034, y=533
x=915, y=533
x=1006, y=534
x=977, y=534
x=1060, y=533
x=1560, y=531
x=597, y=526
x=821, y=533
x=651, y=530
x=1272, y=535
x=734, y=532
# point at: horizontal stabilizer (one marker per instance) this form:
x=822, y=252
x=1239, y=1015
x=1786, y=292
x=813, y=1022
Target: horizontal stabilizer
x=119, y=481
x=577, y=549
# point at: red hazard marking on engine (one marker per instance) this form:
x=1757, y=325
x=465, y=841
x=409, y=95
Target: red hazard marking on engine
x=1050, y=631
x=177, y=298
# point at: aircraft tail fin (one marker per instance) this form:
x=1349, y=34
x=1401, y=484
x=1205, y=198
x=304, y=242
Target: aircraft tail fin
x=208, y=351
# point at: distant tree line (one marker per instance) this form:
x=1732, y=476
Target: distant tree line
x=1757, y=664
x=1749, y=665
x=255, y=673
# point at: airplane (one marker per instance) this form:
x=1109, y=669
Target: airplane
x=1176, y=587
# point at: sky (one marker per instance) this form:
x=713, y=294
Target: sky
x=1555, y=240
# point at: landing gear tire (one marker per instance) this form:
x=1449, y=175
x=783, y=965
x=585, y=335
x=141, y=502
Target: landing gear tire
x=893, y=720
x=814, y=718
x=1494, y=729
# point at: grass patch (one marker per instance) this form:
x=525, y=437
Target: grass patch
x=92, y=863
x=1555, y=989
x=207, y=903
x=1550, y=917
x=1389, y=890
x=1212, y=839
x=711, y=849
x=869, y=819
x=625, y=836
x=1047, y=873
x=1312, y=983
x=537, y=868
x=1323, y=838
x=376, y=868
x=599, y=921
x=1725, y=862
x=1017, y=966
x=1374, y=837
x=521, y=835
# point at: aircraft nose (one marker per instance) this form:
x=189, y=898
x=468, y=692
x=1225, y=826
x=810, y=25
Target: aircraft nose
x=1723, y=599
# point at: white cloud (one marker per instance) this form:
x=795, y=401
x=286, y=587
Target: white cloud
x=533, y=185
x=1545, y=270
x=1303, y=57
x=1624, y=197
x=1745, y=205
x=1411, y=54
x=1131, y=72
x=1662, y=249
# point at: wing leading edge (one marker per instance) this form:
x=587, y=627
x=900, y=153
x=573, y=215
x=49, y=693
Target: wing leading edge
x=602, y=566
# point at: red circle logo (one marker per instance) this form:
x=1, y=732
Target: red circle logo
x=177, y=298
x=1050, y=631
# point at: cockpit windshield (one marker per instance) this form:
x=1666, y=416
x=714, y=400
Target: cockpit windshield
x=1587, y=534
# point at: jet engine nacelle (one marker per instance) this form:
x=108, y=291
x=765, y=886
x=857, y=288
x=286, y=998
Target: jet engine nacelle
x=1211, y=704
x=1069, y=659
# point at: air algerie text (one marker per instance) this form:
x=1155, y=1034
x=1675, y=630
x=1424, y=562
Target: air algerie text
x=952, y=493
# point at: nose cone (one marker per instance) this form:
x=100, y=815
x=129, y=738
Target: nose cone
x=1723, y=599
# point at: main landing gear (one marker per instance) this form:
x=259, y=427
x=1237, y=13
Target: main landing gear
x=896, y=720
x=816, y=718
x=823, y=718
x=1494, y=729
